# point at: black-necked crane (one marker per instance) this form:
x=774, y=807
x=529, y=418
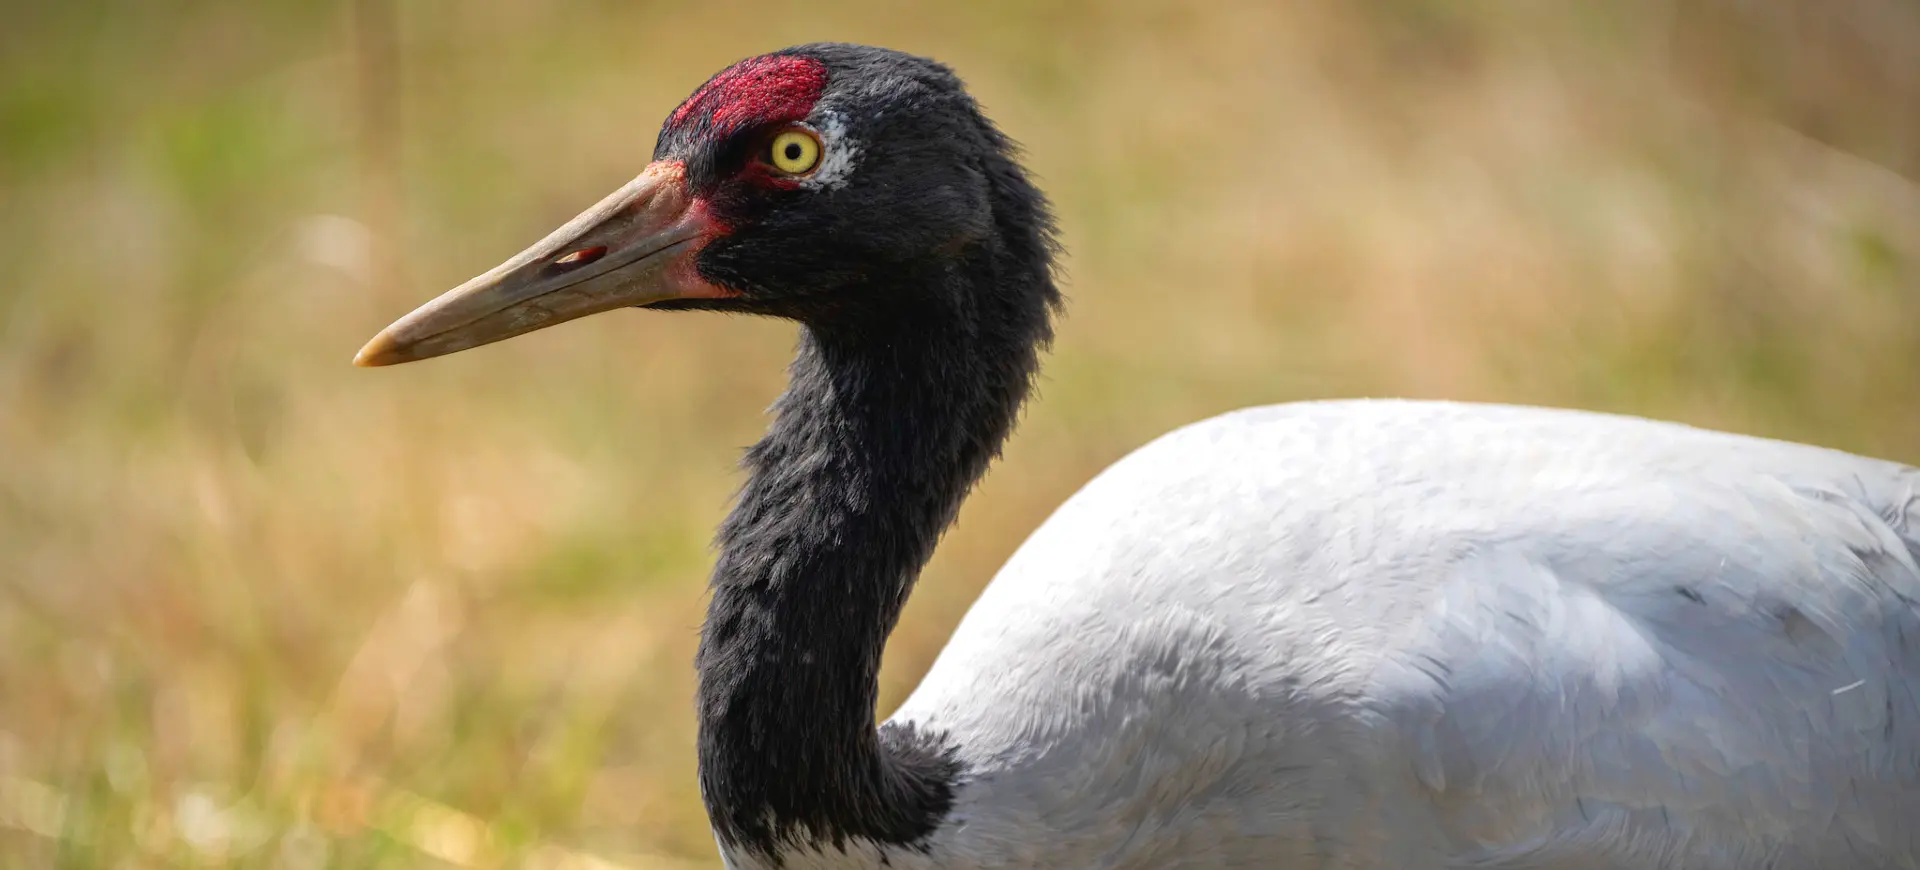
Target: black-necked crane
x=1359, y=634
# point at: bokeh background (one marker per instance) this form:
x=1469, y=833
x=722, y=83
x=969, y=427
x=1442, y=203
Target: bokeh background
x=262, y=609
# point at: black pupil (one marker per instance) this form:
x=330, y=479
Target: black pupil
x=793, y=151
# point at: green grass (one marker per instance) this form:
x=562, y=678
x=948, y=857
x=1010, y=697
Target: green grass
x=261, y=609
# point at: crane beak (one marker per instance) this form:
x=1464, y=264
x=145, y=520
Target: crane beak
x=635, y=247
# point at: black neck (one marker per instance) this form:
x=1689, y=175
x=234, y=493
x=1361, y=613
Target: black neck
x=886, y=425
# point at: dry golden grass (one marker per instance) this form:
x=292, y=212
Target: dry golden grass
x=258, y=608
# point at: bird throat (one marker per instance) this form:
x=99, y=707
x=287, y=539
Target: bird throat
x=875, y=443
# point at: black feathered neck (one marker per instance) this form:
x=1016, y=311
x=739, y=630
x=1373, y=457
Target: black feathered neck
x=893, y=413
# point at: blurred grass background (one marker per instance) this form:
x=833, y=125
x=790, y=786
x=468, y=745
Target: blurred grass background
x=261, y=609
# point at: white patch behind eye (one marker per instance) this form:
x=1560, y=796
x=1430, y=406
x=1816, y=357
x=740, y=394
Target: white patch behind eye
x=838, y=152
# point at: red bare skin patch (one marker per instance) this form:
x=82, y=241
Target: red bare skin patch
x=683, y=271
x=769, y=89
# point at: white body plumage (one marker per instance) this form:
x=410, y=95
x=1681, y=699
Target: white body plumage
x=1383, y=634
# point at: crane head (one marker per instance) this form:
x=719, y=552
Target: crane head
x=790, y=184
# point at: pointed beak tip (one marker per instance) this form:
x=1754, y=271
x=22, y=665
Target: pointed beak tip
x=381, y=351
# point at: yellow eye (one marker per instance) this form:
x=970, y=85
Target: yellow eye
x=794, y=152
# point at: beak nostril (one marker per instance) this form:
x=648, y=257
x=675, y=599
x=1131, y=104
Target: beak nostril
x=581, y=257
